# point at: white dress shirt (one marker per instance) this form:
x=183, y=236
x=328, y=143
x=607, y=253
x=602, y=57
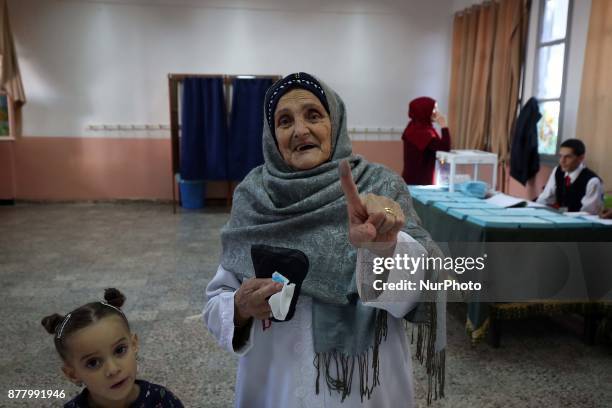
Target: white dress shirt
x=592, y=202
x=275, y=367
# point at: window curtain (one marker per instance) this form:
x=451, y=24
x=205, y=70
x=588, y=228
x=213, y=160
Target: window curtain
x=246, y=126
x=203, y=130
x=10, y=78
x=508, y=59
x=488, y=54
x=594, y=120
x=473, y=33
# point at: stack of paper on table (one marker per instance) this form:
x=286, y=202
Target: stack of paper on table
x=505, y=200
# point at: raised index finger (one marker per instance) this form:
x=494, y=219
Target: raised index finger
x=350, y=189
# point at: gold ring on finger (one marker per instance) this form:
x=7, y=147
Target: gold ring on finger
x=389, y=211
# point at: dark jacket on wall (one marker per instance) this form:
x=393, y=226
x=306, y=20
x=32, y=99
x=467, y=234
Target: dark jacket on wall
x=524, y=156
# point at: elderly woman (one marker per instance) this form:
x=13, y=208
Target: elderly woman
x=338, y=349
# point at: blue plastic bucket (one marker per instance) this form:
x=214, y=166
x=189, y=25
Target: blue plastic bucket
x=192, y=193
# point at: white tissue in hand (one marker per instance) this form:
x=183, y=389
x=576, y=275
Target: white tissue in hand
x=280, y=302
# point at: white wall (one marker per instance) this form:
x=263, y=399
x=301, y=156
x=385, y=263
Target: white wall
x=106, y=62
x=459, y=5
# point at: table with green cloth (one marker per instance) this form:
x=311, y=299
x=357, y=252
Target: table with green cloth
x=447, y=222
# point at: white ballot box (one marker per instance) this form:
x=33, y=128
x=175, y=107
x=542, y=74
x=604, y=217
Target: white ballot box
x=458, y=166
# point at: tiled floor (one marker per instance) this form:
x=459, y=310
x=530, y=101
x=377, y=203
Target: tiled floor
x=56, y=257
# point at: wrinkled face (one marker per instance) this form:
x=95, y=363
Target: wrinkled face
x=303, y=130
x=103, y=357
x=568, y=161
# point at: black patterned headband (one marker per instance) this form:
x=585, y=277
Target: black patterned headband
x=300, y=80
x=67, y=318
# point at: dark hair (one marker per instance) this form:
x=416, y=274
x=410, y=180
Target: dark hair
x=63, y=326
x=576, y=145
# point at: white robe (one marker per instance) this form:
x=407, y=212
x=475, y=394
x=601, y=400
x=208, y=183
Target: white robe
x=276, y=364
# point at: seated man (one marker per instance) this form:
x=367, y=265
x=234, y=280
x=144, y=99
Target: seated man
x=571, y=184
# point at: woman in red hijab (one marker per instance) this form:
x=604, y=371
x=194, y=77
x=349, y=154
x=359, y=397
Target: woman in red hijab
x=422, y=141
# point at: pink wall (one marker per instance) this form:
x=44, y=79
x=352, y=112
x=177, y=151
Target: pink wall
x=92, y=168
x=534, y=186
x=7, y=176
x=391, y=154
x=69, y=168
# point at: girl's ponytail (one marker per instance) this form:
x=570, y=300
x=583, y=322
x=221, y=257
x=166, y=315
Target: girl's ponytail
x=114, y=297
x=51, y=322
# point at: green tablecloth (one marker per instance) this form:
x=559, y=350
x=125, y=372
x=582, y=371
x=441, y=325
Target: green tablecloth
x=445, y=228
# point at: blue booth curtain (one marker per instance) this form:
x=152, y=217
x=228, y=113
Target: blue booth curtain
x=246, y=126
x=203, y=130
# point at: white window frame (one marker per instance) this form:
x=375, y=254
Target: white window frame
x=538, y=45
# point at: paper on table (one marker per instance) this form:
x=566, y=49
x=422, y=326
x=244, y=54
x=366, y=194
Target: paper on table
x=535, y=204
x=504, y=200
x=577, y=213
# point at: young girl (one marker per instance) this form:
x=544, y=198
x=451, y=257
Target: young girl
x=99, y=351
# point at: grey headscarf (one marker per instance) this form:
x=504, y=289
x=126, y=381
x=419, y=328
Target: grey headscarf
x=306, y=210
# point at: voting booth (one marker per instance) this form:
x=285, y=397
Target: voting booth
x=458, y=166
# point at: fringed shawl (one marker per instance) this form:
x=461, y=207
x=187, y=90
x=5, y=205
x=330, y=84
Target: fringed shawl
x=306, y=210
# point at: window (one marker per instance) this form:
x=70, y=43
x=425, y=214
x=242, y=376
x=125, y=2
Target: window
x=551, y=61
x=5, y=129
